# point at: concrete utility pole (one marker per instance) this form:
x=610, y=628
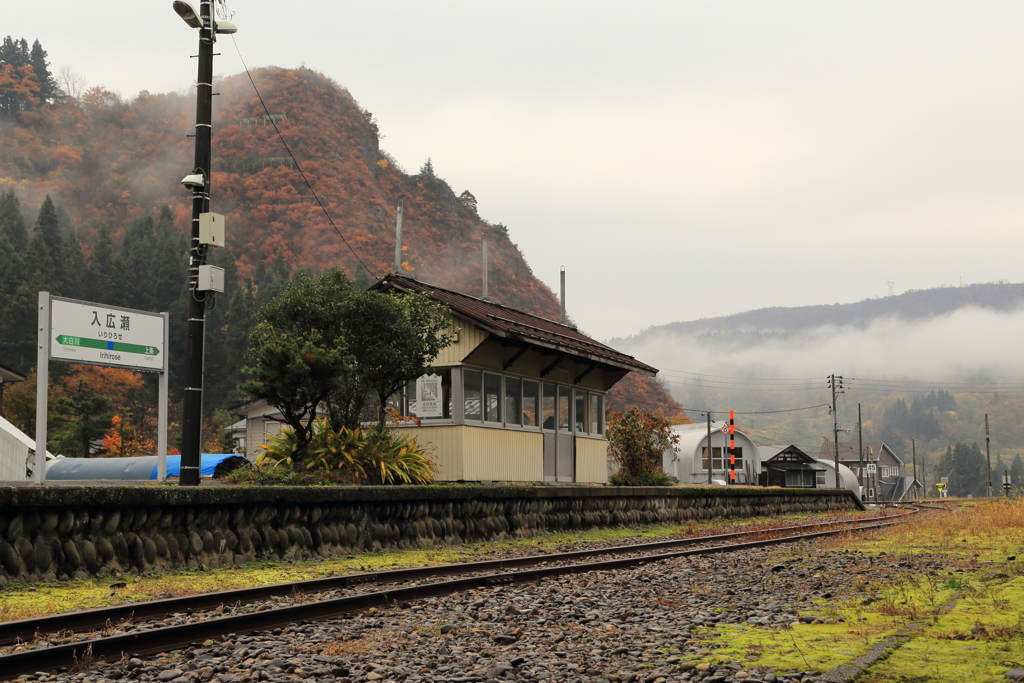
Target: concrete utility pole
x=988, y=457
x=913, y=451
x=709, y=449
x=860, y=451
x=836, y=384
x=192, y=417
x=398, y=239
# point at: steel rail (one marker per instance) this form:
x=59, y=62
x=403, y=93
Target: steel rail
x=171, y=637
x=27, y=629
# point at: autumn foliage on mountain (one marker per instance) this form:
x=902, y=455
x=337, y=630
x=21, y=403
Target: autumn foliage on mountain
x=112, y=217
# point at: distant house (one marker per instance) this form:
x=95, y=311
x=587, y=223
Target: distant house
x=788, y=466
x=516, y=397
x=886, y=483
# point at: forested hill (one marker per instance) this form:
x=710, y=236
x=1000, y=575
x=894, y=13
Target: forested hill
x=107, y=161
x=91, y=207
x=912, y=305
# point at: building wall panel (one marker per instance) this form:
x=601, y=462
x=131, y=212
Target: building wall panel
x=470, y=337
x=591, y=460
x=503, y=455
x=444, y=446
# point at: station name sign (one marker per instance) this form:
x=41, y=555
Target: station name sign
x=83, y=332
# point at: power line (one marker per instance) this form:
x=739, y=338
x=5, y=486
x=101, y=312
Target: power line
x=296, y=161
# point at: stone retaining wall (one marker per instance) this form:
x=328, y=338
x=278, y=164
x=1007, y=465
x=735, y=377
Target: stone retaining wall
x=50, y=533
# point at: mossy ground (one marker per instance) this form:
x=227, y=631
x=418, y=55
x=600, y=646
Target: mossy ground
x=966, y=622
x=24, y=602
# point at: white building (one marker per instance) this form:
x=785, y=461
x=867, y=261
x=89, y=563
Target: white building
x=690, y=463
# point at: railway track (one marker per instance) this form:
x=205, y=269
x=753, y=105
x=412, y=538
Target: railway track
x=434, y=581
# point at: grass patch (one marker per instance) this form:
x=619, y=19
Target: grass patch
x=969, y=616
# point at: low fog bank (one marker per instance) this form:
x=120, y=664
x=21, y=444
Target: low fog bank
x=969, y=344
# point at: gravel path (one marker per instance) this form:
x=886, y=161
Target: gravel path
x=640, y=625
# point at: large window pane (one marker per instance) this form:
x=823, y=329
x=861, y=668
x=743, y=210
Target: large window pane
x=548, y=408
x=471, y=388
x=530, y=399
x=564, y=407
x=581, y=411
x=492, y=397
x=596, y=414
x=513, y=400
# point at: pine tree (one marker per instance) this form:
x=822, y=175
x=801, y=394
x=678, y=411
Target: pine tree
x=12, y=222
x=101, y=267
x=1017, y=472
x=76, y=272
x=44, y=79
x=135, y=266
x=17, y=308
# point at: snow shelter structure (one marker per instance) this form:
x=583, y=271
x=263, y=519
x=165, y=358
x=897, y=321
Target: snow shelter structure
x=516, y=397
x=689, y=465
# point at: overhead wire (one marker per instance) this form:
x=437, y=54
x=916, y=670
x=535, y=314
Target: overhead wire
x=296, y=161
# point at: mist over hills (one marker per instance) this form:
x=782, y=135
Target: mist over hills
x=896, y=355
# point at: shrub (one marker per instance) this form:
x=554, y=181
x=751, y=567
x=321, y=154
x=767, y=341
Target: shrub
x=637, y=440
x=642, y=479
x=348, y=456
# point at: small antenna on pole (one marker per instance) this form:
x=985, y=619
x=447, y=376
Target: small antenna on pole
x=562, y=297
x=398, y=239
x=485, y=269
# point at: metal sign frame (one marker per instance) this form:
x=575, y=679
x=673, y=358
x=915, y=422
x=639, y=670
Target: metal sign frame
x=44, y=355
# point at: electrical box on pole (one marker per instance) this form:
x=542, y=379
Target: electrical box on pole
x=211, y=229
x=211, y=279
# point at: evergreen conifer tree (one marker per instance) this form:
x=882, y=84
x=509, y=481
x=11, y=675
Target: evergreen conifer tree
x=135, y=266
x=1017, y=472
x=101, y=267
x=12, y=222
x=44, y=79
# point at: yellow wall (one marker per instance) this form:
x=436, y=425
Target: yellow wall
x=503, y=455
x=444, y=446
x=591, y=460
x=470, y=337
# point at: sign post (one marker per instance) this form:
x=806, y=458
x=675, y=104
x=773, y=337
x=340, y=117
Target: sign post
x=97, y=334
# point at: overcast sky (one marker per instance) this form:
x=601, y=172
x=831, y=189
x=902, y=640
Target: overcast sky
x=680, y=159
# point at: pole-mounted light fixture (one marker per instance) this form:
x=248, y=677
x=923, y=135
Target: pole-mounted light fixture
x=191, y=16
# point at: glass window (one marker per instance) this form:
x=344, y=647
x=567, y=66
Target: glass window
x=471, y=388
x=564, y=408
x=548, y=407
x=739, y=457
x=581, y=411
x=820, y=478
x=716, y=458
x=530, y=399
x=430, y=396
x=596, y=414
x=513, y=400
x=492, y=397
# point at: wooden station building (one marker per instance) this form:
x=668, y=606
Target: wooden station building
x=516, y=397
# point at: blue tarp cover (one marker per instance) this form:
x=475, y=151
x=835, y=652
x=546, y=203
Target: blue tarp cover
x=207, y=464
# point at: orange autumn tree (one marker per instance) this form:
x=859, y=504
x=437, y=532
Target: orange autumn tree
x=123, y=440
x=93, y=397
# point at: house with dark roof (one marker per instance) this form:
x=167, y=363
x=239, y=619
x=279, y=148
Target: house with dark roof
x=788, y=466
x=516, y=397
x=883, y=478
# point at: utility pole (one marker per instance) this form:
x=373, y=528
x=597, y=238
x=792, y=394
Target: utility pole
x=836, y=384
x=709, y=449
x=988, y=457
x=192, y=418
x=860, y=451
x=398, y=238
x=913, y=451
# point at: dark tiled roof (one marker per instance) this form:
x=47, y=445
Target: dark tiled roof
x=848, y=450
x=506, y=322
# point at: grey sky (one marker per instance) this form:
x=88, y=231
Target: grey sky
x=681, y=159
